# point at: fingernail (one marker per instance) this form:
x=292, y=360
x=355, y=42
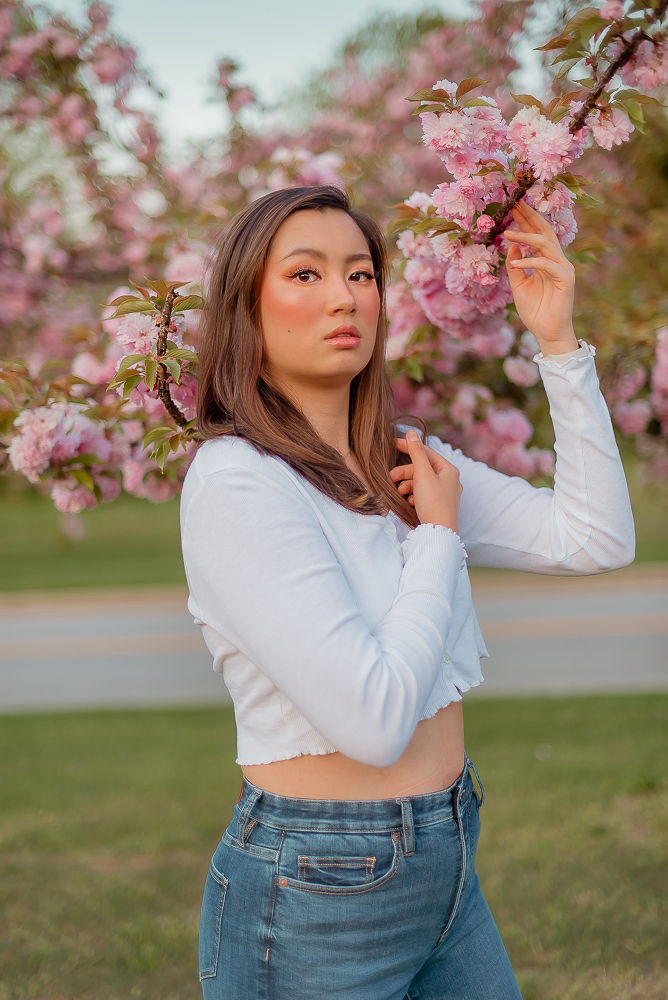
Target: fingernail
x=412, y=436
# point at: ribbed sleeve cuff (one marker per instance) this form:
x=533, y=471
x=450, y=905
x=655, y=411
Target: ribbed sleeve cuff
x=561, y=360
x=432, y=537
x=433, y=558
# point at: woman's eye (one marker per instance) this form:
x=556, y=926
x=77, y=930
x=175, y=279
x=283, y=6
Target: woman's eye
x=362, y=276
x=304, y=271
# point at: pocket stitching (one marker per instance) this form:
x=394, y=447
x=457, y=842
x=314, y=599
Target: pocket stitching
x=354, y=890
x=223, y=883
x=305, y=861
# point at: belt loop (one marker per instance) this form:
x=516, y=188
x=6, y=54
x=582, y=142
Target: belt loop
x=407, y=828
x=253, y=794
x=472, y=766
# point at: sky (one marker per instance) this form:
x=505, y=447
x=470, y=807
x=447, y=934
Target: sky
x=278, y=44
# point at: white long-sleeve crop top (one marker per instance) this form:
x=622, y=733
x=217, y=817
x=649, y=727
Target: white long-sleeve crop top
x=335, y=630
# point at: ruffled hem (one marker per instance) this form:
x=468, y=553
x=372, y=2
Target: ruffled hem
x=450, y=690
x=459, y=691
x=287, y=755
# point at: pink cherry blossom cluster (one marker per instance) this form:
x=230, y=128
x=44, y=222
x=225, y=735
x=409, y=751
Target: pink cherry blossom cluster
x=453, y=282
x=61, y=438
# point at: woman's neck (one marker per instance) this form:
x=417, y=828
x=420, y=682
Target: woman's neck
x=327, y=412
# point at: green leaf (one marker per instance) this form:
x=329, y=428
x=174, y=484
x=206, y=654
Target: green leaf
x=160, y=453
x=151, y=370
x=435, y=226
x=180, y=353
x=175, y=442
x=580, y=19
x=121, y=379
x=567, y=177
x=134, y=306
x=469, y=84
x=128, y=361
x=574, y=50
x=640, y=98
x=181, y=303
x=634, y=111
x=7, y=418
x=131, y=383
x=84, y=478
x=8, y=394
x=174, y=367
x=565, y=67
x=414, y=368
x=156, y=433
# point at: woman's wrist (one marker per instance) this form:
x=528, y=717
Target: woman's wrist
x=564, y=345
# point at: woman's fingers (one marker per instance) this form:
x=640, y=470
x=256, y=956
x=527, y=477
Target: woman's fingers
x=417, y=452
x=538, y=240
x=400, y=472
x=530, y=223
x=436, y=461
x=546, y=264
x=530, y=217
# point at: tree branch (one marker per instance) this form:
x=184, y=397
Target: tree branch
x=161, y=379
x=527, y=178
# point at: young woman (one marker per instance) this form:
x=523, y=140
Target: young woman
x=326, y=553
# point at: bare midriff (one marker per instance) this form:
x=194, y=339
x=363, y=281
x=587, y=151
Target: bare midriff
x=433, y=759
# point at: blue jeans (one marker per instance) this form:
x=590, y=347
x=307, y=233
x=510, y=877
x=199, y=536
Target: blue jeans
x=311, y=899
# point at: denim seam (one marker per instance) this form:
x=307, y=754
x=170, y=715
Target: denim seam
x=462, y=876
x=270, y=929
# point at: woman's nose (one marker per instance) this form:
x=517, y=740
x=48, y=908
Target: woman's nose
x=341, y=297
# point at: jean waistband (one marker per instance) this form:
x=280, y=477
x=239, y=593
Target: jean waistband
x=373, y=814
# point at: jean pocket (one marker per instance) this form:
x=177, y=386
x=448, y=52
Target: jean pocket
x=211, y=922
x=337, y=865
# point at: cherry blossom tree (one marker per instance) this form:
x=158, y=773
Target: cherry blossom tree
x=93, y=404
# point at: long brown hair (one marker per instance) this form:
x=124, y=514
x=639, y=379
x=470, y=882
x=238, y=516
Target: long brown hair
x=235, y=398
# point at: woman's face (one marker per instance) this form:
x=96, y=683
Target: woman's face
x=318, y=279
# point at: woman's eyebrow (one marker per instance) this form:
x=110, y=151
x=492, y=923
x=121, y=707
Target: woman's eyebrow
x=323, y=256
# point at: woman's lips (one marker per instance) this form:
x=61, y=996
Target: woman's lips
x=344, y=340
x=344, y=336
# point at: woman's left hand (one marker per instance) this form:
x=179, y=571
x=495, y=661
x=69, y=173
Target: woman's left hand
x=544, y=299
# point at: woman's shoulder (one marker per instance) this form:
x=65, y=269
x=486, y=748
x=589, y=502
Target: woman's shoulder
x=229, y=452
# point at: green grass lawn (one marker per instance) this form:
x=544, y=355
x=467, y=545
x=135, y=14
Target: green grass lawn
x=125, y=543
x=108, y=820
x=134, y=542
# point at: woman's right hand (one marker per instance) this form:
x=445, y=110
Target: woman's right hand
x=429, y=482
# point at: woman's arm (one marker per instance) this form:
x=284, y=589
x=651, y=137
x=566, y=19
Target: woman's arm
x=262, y=574
x=583, y=525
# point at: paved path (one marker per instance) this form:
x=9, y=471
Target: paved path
x=140, y=647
